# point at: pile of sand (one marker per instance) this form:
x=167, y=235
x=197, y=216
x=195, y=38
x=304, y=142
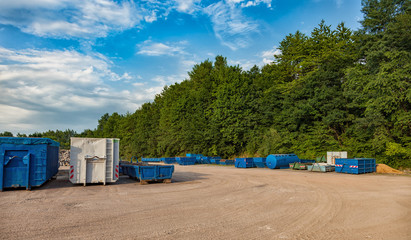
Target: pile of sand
x=382, y=168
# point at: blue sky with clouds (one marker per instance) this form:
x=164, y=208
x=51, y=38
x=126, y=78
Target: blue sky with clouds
x=64, y=63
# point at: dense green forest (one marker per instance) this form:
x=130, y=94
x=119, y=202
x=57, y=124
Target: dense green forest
x=333, y=89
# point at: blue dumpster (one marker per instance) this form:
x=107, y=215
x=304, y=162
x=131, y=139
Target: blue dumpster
x=244, y=163
x=260, y=162
x=151, y=159
x=227, y=162
x=145, y=172
x=205, y=160
x=355, y=165
x=199, y=160
x=27, y=162
x=168, y=160
x=275, y=161
x=215, y=160
x=186, y=160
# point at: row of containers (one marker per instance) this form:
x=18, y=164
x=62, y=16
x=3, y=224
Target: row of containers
x=30, y=162
x=190, y=159
x=277, y=161
x=282, y=161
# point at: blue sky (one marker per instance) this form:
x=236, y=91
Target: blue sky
x=64, y=63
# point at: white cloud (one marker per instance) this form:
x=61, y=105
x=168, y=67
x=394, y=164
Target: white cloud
x=71, y=18
x=170, y=79
x=151, y=18
x=230, y=26
x=151, y=48
x=60, y=89
x=187, y=6
x=244, y=64
x=90, y=19
x=268, y=56
x=249, y=3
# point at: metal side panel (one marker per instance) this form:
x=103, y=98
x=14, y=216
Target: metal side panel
x=112, y=168
x=109, y=166
x=116, y=158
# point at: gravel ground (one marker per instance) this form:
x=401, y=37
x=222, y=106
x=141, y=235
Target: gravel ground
x=214, y=202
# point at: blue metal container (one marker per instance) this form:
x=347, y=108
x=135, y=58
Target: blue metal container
x=168, y=160
x=194, y=155
x=148, y=172
x=227, y=162
x=186, y=160
x=355, y=165
x=244, y=163
x=275, y=161
x=205, y=160
x=199, y=160
x=151, y=159
x=212, y=160
x=27, y=162
x=260, y=162
x=215, y=160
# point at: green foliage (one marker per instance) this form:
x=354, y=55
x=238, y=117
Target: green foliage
x=6, y=134
x=331, y=90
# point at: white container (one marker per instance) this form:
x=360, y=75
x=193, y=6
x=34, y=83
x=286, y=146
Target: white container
x=331, y=156
x=94, y=160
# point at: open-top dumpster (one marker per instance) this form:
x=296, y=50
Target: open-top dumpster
x=321, y=167
x=168, y=160
x=151, y=159
x=226, y=162
x=299, y=165
x=186, y=160
x=147, y=172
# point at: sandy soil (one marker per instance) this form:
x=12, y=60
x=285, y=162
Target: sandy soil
x=214, y=202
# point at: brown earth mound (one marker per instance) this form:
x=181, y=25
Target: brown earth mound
x=382, y=168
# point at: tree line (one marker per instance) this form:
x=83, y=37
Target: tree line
x=334, y=89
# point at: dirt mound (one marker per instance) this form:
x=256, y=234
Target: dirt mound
x=382, y=168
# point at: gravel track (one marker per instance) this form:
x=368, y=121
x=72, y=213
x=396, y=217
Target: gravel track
x=214, y=202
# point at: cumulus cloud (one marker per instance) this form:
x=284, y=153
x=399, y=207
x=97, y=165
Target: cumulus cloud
x=60, y=89
x=71, y=18
x=268, y=56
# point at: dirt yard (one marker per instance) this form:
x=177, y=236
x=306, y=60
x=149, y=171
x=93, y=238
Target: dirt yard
x=214, y=202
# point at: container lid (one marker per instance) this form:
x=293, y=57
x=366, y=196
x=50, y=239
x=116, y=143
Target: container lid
x=28, y=141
